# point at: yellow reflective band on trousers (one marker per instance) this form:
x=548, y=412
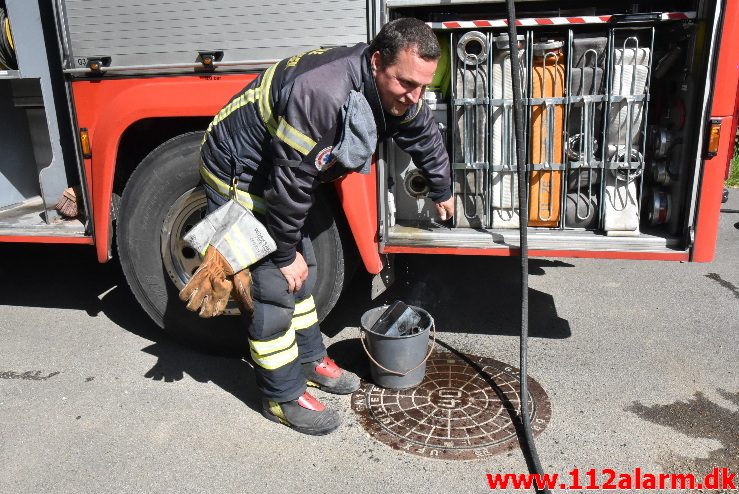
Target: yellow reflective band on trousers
x=278, y=344
x=273, y=354
x=304, y=315
x=277, y=360
x=305, y=321
x=294, y=138
x=304, y=306
x=249, y=201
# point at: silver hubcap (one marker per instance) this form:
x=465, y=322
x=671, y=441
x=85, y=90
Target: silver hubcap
x=181, y=260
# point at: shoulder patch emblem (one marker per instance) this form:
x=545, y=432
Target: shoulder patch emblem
x=324, y=159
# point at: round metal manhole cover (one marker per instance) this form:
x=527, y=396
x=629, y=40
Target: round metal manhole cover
x=462, y=410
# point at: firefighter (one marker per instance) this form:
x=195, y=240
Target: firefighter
x=307, y=120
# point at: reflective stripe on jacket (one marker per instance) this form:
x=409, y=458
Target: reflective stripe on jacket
x=267, y=129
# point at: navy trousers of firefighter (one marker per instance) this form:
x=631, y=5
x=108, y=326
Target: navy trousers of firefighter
x=283, y=331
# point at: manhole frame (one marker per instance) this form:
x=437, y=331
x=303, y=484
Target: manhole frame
x=486, y=370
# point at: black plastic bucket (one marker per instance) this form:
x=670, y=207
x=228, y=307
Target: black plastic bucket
x=397, y=362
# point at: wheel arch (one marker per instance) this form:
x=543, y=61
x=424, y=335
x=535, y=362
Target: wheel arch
x=118, y=109
x=144, y=136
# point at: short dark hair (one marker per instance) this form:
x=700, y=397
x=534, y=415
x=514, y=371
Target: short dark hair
x=402, y=34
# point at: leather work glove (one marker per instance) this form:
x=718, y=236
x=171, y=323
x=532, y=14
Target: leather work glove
x=210, y=287
x=242, y=291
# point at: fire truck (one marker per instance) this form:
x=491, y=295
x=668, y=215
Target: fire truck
x=630, y=123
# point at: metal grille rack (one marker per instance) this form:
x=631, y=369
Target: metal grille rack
x=624, y=137
x=587, y=97
x=471, y=140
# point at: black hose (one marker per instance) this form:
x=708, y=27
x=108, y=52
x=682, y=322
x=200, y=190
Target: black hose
x=7, y=53
x=518, y=118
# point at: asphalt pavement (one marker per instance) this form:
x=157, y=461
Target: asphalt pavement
x=638, y=359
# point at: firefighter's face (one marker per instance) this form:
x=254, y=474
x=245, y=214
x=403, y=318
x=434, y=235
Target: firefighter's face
x=401, y=84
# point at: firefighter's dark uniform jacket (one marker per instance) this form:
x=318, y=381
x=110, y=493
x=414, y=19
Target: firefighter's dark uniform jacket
x=268, y=129
x=267, y=135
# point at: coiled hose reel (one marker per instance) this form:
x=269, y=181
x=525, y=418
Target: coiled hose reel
x=472, y=48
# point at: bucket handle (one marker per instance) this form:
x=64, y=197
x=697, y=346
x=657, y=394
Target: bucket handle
x=433, y=344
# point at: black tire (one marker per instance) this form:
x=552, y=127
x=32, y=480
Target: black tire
x=160, y=202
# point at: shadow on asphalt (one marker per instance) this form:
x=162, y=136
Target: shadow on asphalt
x=470, y=294
x=477, y=295
x=69, y=277
x=233, y=375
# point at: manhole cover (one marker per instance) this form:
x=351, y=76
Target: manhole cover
x=462, y=410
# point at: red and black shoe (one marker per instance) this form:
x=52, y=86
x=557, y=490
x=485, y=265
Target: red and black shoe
x=305, y=414
x=325, y=375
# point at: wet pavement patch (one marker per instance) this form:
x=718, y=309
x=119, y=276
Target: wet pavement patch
x=726, y=284
x=464, y=409
x=27, y=376
x=698, y=417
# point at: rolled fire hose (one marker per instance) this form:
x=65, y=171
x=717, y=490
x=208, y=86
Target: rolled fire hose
x=504, y=183
x=471, y=121
x=547, y=125
x=621, y=205
x=586, y=79
x=518, y=113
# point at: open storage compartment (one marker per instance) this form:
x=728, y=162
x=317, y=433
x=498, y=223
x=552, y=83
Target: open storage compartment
x=613, y=104
x=39, y=157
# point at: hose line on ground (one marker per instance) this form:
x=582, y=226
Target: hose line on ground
x=523, y=214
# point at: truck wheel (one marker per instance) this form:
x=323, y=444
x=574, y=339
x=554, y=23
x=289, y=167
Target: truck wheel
x=161, y=202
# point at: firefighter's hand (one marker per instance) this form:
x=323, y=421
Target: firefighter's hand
x=295, y=273
x=242, y=291
x=209, y=289
x=445, y=210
